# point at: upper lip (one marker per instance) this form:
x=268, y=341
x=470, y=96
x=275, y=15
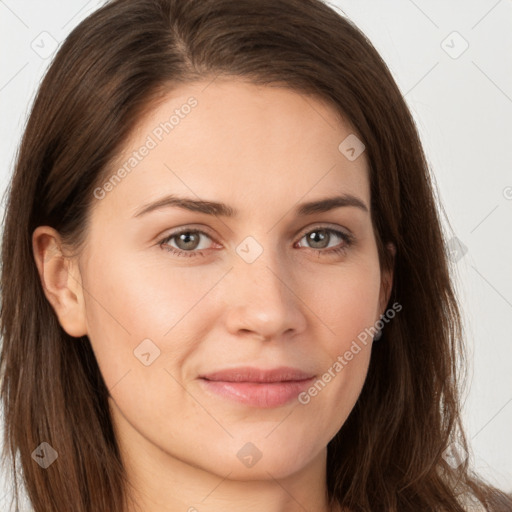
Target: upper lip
x=252, y=374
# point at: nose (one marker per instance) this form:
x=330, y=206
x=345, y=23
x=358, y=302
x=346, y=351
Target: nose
x=263, y=299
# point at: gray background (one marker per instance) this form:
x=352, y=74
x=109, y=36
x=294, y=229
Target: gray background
x=461, y=99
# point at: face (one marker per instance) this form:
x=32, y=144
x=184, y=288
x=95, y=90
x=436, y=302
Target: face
x=169, y=295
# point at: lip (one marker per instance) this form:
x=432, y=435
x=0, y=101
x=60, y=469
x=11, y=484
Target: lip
x=257, y=387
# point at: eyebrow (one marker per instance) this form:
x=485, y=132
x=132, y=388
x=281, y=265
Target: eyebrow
x=224, y=210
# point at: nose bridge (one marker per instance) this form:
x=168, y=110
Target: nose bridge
x=263, y=300
x=263, y=268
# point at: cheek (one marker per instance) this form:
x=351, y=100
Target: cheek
x=130, y=303
x=345, y=301
x=346, y=306
x=328, y=402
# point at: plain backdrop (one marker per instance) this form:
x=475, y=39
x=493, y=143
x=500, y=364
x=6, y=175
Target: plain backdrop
x=452, y=62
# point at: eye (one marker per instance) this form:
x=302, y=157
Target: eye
x=188, y=241
x=320, y=237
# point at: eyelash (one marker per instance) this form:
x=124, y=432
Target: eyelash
x=348, y=239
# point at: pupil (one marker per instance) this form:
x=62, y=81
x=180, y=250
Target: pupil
x=316, y=234
x=185, y=236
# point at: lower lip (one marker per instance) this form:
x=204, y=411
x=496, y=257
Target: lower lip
x=254, y=394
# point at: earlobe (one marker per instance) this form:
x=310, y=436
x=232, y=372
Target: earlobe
x=60, y=280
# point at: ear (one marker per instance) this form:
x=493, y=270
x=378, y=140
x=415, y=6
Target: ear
x=387, y=280
x=60, y=279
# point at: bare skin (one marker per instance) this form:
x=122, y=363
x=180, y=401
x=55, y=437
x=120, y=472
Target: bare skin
x=263, y=151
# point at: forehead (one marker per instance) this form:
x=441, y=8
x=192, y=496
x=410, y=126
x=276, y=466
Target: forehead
x=240, y=143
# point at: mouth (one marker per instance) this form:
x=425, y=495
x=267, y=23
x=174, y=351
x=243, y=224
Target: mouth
x=257, y=387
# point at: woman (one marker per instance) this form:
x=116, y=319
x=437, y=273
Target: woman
x=173, y=336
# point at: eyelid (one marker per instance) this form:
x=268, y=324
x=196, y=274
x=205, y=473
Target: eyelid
x=323, y=225
x=185, y=229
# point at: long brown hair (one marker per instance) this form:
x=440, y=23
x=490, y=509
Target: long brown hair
x=388, y=456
